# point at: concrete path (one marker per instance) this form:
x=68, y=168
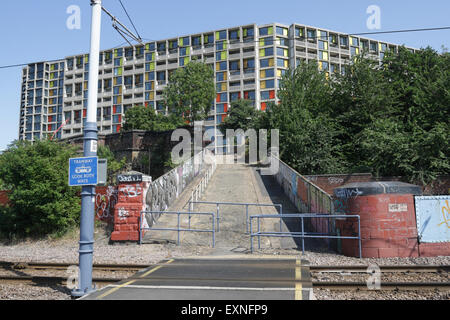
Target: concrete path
x=237, y=184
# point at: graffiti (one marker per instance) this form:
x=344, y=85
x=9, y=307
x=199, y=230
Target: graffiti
x=334, y=180
x=446, y=215
x=341, y=205
x=105, y=203
x=131, y=191
x=123, y=214
x=348, y=193
x=163, y=192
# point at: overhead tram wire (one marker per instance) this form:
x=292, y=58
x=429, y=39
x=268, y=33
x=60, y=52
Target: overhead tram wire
x=255, y=41
x=130, y=19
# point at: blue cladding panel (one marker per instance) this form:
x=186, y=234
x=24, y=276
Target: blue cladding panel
x=433, y=219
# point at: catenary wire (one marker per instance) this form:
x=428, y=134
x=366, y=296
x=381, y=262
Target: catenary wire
x=257, y=41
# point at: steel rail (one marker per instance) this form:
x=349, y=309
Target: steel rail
x=386, y=269
x=403, y=286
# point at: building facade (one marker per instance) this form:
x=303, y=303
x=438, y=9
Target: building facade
x=248, y=62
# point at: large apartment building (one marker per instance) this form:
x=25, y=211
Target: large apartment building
x=248, y=62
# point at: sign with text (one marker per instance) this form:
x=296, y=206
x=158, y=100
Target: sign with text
x=83, y=172
x=129, y=178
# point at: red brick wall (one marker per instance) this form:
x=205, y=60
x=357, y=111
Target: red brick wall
x=385, y=231
x=4, y=198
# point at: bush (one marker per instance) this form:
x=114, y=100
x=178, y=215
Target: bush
x=41, y=201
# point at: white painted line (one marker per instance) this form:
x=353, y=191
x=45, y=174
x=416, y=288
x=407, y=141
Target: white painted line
x=207, y=288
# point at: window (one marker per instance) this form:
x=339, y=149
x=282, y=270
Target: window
x=221, y=35
x=266, y=42
x=234, y=35
x=283, y=52
x=266, y=52
x=234, y=65
x=266, y=31
x=264, y=63
x=282, y=31
x=311, y=34
x=196, y=41
x=221, y=76
x=234, y=96
x=344, y=41
x=249, y=64
x=129, y=53
x=267, y=73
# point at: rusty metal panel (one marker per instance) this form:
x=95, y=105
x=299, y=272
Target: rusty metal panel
x=433, y=219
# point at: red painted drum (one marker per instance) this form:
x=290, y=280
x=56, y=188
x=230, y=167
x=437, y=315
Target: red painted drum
x=388, y=220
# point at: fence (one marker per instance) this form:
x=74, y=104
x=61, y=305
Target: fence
x=301, y=234
x=246, y=205
x=306, y=196
x=178, y=229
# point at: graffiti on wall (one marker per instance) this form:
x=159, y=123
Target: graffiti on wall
x=105, y=201
x=433, y=219
x=163, y=192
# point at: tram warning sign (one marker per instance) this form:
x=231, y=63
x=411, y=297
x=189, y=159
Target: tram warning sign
x=83, y=171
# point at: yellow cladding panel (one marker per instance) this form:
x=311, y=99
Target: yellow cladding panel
x=270, y=30
x=152, y=95
x=224, y=86
x=263, y=73
x=262, y=52
x=217, y=66
x=263, y=84
x=324, y=55
x=325, y=45
x=271, y=62
x=286, y=63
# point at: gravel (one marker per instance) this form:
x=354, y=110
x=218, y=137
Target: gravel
x=66, y=251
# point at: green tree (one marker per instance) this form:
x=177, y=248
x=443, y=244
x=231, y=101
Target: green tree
x=41, y=201
x=191, y=91
x=307, y=133
x=114, y=166
x=241, y=115
x=144, y=118
x=413, y=141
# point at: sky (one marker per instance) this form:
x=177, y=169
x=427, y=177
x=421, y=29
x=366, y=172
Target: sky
x=36, y=30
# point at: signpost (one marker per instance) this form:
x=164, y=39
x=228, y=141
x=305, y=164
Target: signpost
x=83, y=172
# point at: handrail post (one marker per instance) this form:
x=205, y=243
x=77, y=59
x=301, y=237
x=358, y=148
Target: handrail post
x=213, y=230
x=259, y=235
x=246, y=217
x=359, y=237
x=303, y=236
x=178, y=232
x=251, y=236
x=218, y=217
x=140, y=229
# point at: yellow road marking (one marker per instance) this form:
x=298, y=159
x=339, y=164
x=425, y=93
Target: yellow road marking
x=157, y=268
x=115, y=289
x=298, y=279
x=133, y=281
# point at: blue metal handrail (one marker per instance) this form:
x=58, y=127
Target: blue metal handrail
x=178, y=229
x=247, y=205
x=302, y=234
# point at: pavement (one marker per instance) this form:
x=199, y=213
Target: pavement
x=239, y=277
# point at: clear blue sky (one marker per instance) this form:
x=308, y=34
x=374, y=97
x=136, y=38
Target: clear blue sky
x=36, y=30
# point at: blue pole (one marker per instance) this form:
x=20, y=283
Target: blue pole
x=86, y=251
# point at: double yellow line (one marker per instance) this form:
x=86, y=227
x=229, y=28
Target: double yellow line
x=107, y=293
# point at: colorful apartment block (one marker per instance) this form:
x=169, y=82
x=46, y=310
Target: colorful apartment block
x=248, y=62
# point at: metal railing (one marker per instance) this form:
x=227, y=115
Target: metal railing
x=178, y=229
x=301, y=234
x=246, y=205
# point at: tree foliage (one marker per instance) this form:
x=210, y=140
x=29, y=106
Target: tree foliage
x=241, y=115
x=114, y=166
x=307, y=134
x=144, y=118
x=389, y=118
x=191, y=91
x=41, y=201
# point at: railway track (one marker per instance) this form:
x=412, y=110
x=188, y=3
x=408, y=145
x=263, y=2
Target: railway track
x=22, y=268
